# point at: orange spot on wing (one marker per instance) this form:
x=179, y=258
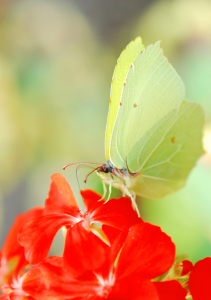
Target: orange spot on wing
x=173, y=139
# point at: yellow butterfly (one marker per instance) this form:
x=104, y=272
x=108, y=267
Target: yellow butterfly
x=153, y=136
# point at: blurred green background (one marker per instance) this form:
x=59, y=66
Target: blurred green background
x=56, y=64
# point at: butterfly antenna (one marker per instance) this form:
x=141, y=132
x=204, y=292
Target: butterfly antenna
x=91, y=173
x=77, y=164
x=77, y=174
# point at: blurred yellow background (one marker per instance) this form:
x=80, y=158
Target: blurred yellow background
x=56, y=64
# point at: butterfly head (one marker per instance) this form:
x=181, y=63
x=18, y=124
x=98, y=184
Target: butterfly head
x=110, y=174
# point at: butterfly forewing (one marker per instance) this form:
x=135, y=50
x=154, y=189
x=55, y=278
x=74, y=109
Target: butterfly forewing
x=152, y=90
x=120, y=72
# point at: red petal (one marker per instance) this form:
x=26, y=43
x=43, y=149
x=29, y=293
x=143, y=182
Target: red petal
x=187, y=267
x=21, y=264
x=0, y=257
x=11, y=247
x=4, y=297
x=88, y=276
x=52, y=269
x=59, y=284
x=147, y=250
x=112, y=233
x=133, y=288
x=117, y=213
x=54, y=260
x=200, y=279
x=117, y=238
x=40, y=278
x=83, y=250
x=170, y=290
x=90, y=199
x=32, y=282
x=37, y=235
x=77, y=290
x=61, y=198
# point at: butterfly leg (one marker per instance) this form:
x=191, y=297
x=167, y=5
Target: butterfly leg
x=109, y=194
x=132, y=196
x=104, y=191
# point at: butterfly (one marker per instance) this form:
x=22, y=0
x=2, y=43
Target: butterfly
x=153, y=136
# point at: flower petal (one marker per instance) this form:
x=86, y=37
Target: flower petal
x=60, y=285
x=118, y=213
x=100, y=233
x=4, y=297
x=37, y=235
x=11, y=247
x=133, y=288
x=61, y=198
x=200, y=278
x=147, y=251
x=83, y=250
x=32, y=282
x=0, y=258
x=187, y=266
x=40, y=278
x=91, y=200
x=170, y=290
x=112, y=233
x=117, y=238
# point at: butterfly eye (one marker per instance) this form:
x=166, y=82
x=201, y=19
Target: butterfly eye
x=105, y=170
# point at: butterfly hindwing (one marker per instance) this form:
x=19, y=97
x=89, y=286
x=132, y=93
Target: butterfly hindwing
x=165, y=155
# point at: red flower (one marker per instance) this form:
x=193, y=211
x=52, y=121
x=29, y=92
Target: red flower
x=61, y=209
x=170, y=290
x=13, y=260
x=200, y=279
x=12, y=251
x=22, y=287
x=145, y=252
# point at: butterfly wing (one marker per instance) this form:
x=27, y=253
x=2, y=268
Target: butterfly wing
x=120, y=72
x=165, y=155
x=152, y=90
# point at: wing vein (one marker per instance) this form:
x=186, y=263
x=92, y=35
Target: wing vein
x=161, y=140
